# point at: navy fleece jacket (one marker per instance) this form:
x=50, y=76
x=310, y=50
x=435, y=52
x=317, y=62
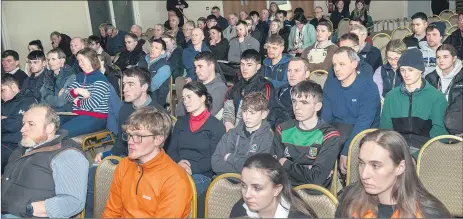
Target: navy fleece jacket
x=188, y=58
x=358, y=105
x=277, y=74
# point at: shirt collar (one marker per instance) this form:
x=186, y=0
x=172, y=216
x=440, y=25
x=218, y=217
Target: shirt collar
x=281, y=212
x=14, y=70
x=147, y=102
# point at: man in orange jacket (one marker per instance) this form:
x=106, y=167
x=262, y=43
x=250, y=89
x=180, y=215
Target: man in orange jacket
x=148, y=183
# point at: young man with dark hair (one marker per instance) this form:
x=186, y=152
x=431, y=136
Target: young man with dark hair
x=223, y=23
x=37, y=67
x=15, y=103
x=135, y=83
x=434, y=34
x=419, y=24
x=276, y=63
x=249, y=82
x=351, y=103
x=163, y=189
x=456, y=38
x=10, y=65
x=254, y=136
x=205, y=71
x=281, y=15
x=94, y=42
x=156, y=63
x=280, y=105
x=242, y=42
x=307, y=147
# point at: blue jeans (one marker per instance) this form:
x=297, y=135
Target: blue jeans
x=201, y=182
x=89, y=202
x=80, y=125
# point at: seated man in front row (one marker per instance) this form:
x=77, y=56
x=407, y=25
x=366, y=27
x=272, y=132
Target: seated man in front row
x=148, y=183
x=46, y=176
x=307, y=147
x=254, y=136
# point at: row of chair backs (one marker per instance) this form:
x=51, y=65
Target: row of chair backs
x=439, y=167
x=322, y=201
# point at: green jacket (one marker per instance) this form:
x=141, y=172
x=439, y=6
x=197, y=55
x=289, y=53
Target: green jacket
x=418, y=116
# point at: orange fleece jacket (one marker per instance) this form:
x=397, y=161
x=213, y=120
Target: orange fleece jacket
x=163, y=190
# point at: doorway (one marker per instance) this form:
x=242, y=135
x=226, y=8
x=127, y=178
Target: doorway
x=118, y=13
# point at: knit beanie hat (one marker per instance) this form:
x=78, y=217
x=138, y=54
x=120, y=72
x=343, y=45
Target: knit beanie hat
x=440, y=26
x=412, y=58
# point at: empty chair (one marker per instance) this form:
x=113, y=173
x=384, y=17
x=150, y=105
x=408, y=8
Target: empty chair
x=381, y=39
x=320, y=199
x=453, y=19
x=446, y=14
x=448, y=25
x=440, y=169
x=318, y=76
x=343, y=27
x=400, y=32
x=223, y=193
x=103, y=180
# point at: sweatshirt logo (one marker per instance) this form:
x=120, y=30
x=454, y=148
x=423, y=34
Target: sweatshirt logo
x=354, y=100
x=313, y=151
x=253, y=148
x=147, y=197
x=287, y=152
x=21, y=112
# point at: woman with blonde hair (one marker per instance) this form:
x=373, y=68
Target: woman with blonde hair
x=388, y=76
x=389, y=186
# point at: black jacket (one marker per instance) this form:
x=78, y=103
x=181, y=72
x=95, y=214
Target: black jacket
x=239, y=211
x=65, y=44
x=456, y=86
x=315, y=21
x=222, y=22
x=456, y=40
x=196, y=147
x=14, y=110
x=411, y=41
x=176, y=62
x=453, y=119
x=20, y=76
x=372, y=56
x=127, y=58
x=337, y=16
x=220, y=50
x=256, y=83
x=113, y=73
x=34, y=84
x=280, y=106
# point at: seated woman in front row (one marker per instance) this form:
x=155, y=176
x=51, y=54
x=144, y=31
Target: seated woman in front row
x=267, y=192
x=196, y=135
x=389, y=186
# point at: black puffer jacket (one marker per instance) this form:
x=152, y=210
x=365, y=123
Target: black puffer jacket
x=456, y=40
x=456, y=86
x=127, y=58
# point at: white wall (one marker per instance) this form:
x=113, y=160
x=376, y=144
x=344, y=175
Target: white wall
x=197, y=9
x=24, y=21
x=151, y=13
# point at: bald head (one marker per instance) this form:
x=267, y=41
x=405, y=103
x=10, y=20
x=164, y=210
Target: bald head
x=136, y=29
x=197, y=36
x=77, y=44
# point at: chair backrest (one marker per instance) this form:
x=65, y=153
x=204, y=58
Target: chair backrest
x=452, y=29
x=320, y=199
x=194, y=200
x=381, y=39
x=448, y=25
x=336, y=185
x=103, y=179
x=149, y=33
x=446, y=14
x=352, y=157
x=453, y=19
x=440, y=169
x=222, y=195
x=318, y=76
x=400, y=32
x=433, y=18
x=343, y=27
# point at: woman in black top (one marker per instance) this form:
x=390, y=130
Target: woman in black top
x=267, y=193
x=218, y=45
x=389, y=186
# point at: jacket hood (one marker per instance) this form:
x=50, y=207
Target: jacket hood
x=264, y=127
x=285, y=58
x=216, y=81
x=455, y=71
x=204, y=47
x=424, y=47
x=147, y=58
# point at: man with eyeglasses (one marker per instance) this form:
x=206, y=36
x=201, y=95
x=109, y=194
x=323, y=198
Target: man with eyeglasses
x=318, y=17
x=37, y=67
x=94, y=43
x=372, y=55
x=251, y=27
x=135, y=82
x=148, y=183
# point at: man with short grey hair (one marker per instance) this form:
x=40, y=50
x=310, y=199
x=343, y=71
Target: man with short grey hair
x=371, y=54
x=77, y=44
x=46, y=176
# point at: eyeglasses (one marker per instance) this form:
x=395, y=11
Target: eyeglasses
x=135, y=138
x=392, y=59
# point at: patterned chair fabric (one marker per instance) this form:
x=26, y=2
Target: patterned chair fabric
x=352, y=161
x=223, y=193
x=103, y=179
x=320, y=199
x=318, y=76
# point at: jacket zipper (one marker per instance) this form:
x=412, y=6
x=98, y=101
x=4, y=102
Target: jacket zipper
x=410, y=102
x=138, y=182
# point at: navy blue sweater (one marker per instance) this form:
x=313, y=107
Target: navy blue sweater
x=196, y=147
x=358, y=105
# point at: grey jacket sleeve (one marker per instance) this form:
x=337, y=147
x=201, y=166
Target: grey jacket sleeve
x=59, y=101
x=218, y=95
x=229, y=112
x=225, y=146
x=70, y=173
x=264, y=145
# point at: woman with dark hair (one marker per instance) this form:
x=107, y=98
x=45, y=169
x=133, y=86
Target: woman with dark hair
x=132, y=54
x=302, y=35
x=267, y=192
x=35, y=45
x=389, y=186
x=361, y=12
x=273, y=11
x=218, y=45
x=89, y=94
x=196, y=135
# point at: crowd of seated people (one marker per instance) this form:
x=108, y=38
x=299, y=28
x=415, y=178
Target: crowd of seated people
x=271, y=124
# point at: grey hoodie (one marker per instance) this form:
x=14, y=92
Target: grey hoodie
x=429, y=58
x=445, y=80
x=240, y=148
x=217, y=89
